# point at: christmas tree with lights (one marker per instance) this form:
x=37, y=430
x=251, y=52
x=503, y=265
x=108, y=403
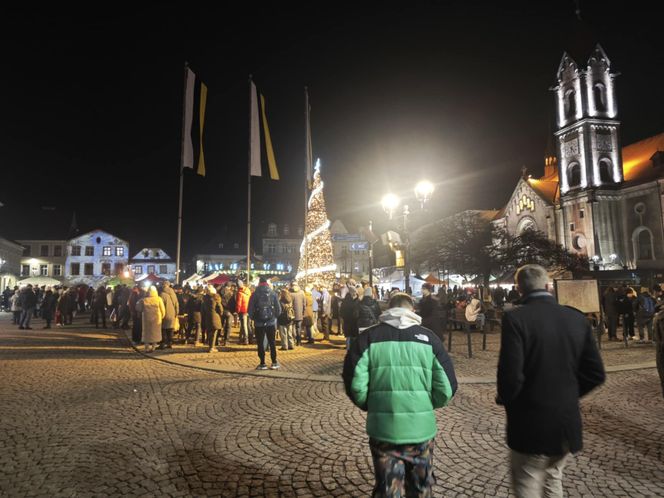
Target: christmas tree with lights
x=316, y=257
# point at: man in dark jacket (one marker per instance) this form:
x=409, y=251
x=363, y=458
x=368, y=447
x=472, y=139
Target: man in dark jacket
x=350, y=314
x=548, y=359
x=28, y=303
x=263, y=309
x=369, y=310
x=399, y=373
x=430, y=311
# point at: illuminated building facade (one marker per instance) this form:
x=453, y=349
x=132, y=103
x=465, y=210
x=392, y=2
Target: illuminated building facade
x=595, y=198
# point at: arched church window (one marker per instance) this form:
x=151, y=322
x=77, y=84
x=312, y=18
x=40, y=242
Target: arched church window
x=605, y=171
x=574, y=175
x=644, y=245
x=570, y=103
x=599, y=92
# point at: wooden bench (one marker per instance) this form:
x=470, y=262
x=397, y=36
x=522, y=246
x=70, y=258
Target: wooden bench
x=458, y=320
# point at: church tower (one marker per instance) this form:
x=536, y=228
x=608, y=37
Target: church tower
x=588, y=148
x=587, y=136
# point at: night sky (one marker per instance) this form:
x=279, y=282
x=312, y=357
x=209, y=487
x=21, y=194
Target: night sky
x=455, y=92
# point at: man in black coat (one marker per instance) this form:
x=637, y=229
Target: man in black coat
x=430, y=311
x=548, y=360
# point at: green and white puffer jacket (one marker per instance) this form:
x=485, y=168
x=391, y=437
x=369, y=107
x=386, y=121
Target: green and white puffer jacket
x=399, y=372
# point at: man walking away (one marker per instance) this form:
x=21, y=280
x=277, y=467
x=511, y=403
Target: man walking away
x=399, y=372
x=645, y=312
x=548, y=359
x=264, y=308
x=28, y=302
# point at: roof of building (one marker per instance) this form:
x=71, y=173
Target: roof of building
x=546, y=188
x=637, y=166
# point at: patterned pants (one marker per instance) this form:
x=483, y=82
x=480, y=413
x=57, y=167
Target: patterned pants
x=402, y=470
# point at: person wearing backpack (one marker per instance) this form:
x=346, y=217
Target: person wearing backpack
x=263, y=309
x=645, y=313
x=369, y=310
x=285, y=320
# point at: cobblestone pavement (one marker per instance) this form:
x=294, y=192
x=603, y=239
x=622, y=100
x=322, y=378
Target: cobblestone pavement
x=81, y=414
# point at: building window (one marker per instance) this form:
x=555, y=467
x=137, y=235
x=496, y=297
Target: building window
x=605, y=171
x=599, y=91
x=571, y=227
x=43, y=270
x=582, y=213
x=76, y=267
x=163, y=269
x=570, y=104
x=271, y=248
x=272, y=230
x=43, y=250
x=89, y=251
x=119, y=251
x=76, y=251
x=25, y=270
x=138, y=269
x=57, y=250
x=119, y=268
x=286, y=230
x=88, y=269
x=574, y=175
x=106, y=268
x=150, y=268
x=236, y=245
x=645, y=245
x=106, y=251
x=157, y=254
x=57, y=270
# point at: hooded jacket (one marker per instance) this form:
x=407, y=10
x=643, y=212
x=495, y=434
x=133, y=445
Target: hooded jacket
x=399, y=372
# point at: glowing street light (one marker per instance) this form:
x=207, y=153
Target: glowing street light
x=423, y=191
x=390, y=203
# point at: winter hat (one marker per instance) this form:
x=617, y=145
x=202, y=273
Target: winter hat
x=152, y=292
x=368, y=292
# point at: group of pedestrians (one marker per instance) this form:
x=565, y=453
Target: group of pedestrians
x=623, y=305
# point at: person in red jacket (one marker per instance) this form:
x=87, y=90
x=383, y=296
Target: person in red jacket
x=242, y=304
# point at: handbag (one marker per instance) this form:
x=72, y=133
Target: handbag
x=176, y=324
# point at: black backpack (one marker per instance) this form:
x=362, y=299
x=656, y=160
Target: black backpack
x=263, y=307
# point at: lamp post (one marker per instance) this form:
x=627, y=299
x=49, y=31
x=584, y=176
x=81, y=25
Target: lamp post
x=390, y=202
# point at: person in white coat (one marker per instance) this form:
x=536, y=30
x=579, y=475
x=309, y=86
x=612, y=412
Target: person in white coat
x=474, y=312
x=153, y=311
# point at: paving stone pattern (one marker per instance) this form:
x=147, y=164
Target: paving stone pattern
x=82, y=414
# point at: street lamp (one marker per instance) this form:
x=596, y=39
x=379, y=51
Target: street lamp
x=390, y=202
x=424, y=191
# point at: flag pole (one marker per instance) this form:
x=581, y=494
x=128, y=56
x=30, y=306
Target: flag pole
x=249, y=191
x=184, y=130
x=307, y=169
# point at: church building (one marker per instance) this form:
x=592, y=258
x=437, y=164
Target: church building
x=596, y=197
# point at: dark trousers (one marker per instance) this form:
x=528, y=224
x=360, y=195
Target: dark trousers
x=16, y=320
x=212, y=338
x=69, y=317
x=166, y=338
x=612, y=325
x=261, y=333
x=48, y=321
x=100, y=313
x=628, y=325
x=136, y=327
x=297, y=331
x=226, y=320
x=402, y=469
